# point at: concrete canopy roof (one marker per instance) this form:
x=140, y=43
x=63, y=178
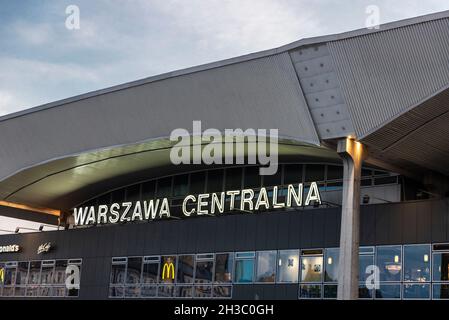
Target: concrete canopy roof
x=386, y=87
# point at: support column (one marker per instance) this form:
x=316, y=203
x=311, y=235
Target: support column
x=353, y=153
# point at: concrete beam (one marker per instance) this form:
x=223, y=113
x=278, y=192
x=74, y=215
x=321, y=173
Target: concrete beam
x=353, y=153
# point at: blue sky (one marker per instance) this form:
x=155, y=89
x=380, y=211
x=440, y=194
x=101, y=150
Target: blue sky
x=120, y=41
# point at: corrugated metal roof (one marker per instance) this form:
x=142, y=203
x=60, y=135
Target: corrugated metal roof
x=385, y=74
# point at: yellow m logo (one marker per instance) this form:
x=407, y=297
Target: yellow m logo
x=2, y=275
x=168, y=271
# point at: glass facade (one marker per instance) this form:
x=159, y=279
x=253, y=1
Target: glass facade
x=40, y=278
x=415, y=271
x=175, y=188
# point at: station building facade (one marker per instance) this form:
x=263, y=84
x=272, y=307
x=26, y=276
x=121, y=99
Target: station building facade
x=358, y=207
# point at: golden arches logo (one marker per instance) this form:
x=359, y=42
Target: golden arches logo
x=2, y=275
x=168, y=271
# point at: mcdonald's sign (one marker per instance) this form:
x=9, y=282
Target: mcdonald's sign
x=2, y=275
x=168, y=271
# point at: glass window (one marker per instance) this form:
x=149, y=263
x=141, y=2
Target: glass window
x=148, y=291
x=441, y=266
x=292, y=173
x=22, y=273
x=133, y=193
x=365, y=261
x=148, y=189
x=288, y=266
x=222, y=291
x=116, y=292
x=47, y=271
x=233, y=179
x=204, y=268
x=166, y=291
x=331, y=265
x=244, y=267
x=164, y=187
x=118, y=270
x=440, y=291
x=274, y=179
x=386, y=180
x=10, y=274
x=310, y=291
x=181, y=185
x=330, y=291
x=132, y=291
x=417, y=263
x=314, y=172
x=215, y=180
x=252, y=177
x=150, y=272
x=203, y=291
x=364, y=292
x=168, y=268
x=334, y=172
x=2, y=279
x=388, y=291
x=134, y=270
x=389, y=263
x=266, y=266
x=60, y=276
x=311, y=268
x=197, y=182
x=185, y=269
x=184, y=291
x=118, y=196
x=35, y=271
x=416, y=291
x=223, y=267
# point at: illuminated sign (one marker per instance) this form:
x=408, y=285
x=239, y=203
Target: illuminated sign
x=246, y=200
x=9, y=248
x=45, y=247
x=168, y=271
x=2, y=275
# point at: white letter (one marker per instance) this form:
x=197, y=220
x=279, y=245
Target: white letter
x=298, y=196
x=249, y=200
x=80, y=215
x=91, y=215
x=232, y=194
x=165, y=209
x=373, y=19
x=264, y=202
x=114, y=212
x=184, y=205
x=201, y=203
x=137, y=211
x=73, y=277
x=196, y=143
x=275, y=199
x=220, y=203
x=127, y=206
x=102, y=212
x=150, y=208
x=314, y=194
x=372, y=281
x=72, y=22
x=180, y=152
x=264, y=159
x=212, y=152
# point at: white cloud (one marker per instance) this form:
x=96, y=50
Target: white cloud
x=33, y=34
